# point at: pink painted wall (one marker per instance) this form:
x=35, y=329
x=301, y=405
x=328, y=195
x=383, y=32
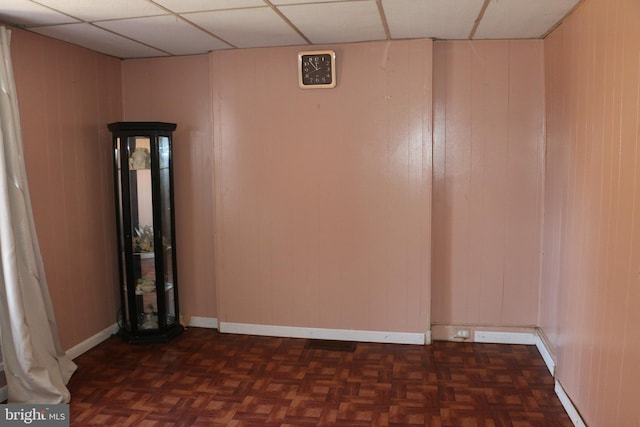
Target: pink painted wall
x=177, y=90
x=488, y=182
x=323, y=197
x=590, y=283
x=66, y=95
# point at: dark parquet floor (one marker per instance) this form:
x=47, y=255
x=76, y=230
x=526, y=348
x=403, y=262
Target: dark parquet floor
x=204, y=378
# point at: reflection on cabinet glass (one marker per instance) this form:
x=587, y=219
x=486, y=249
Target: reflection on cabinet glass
x=143, y=175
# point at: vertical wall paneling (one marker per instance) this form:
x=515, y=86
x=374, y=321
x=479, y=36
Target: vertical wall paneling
x=590, y=283
x=66, y=96
x=488, y=182
x=176, y=90
x=323, y=196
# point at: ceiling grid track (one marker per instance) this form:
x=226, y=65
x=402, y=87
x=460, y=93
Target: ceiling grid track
x=158, y=28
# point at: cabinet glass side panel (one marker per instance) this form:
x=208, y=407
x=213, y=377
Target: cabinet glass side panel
x=142, y=234
x=165, y=197
x=123, y=272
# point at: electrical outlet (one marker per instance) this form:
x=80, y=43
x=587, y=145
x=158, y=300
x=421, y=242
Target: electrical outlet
x=462, y=333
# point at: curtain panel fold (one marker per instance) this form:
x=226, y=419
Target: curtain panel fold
x=36, y=367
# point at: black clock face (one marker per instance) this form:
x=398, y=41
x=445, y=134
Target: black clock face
x=317, y=69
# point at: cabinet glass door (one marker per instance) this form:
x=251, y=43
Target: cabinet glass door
x=164, y=149
x=142, y=231
x=118, y=156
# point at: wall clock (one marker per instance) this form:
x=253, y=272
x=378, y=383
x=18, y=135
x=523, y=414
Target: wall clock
x=317, y=69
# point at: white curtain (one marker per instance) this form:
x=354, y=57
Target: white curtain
x=36, y=367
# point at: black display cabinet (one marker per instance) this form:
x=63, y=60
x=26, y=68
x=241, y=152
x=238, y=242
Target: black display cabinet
x=143, y=177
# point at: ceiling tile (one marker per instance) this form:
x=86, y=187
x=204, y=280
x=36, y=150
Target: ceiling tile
x=256, y=27
x=97, y=10
x=262, y=23
x=182, y=6
x=94, y=38
x=337, y=22
x=441, y=19
x=519, y=19
x=168, y=33
x=25, y=12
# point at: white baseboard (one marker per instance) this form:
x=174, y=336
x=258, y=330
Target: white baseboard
x=546, y=356
x=568, y=406
x=321, y=333
x=566, y=402
x=483, y=333
x=203, y=322
x=91, y=342
x=505, y=337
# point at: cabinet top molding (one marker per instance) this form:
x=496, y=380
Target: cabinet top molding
x=141, y=126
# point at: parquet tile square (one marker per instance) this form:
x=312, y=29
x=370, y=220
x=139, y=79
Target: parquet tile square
x=204, y=378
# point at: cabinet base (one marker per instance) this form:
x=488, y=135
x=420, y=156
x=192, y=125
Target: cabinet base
x=150, y=337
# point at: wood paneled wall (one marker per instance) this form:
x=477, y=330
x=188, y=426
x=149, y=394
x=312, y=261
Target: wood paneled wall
x=67, y=95
x=176, y=90
x=323, y=197
x=488, y=182
x=590, y=282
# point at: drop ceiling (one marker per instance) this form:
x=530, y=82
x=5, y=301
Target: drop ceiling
x=151, y=28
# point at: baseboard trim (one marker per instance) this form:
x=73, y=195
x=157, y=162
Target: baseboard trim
x=505, y=337
x=91, y=342
x=546, y=355
x=203, y=322
x=483, y=333
x=428, y=338
x=321, y=333
x=566, y=402
x=573, y=413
